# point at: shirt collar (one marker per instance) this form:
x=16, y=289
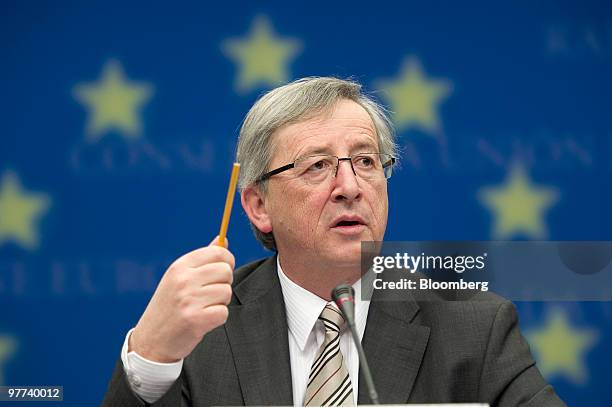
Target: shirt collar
x=303, y=308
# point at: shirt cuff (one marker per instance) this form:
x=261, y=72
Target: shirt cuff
x=148, y=379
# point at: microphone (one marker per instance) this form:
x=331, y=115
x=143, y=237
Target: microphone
x=344, y=297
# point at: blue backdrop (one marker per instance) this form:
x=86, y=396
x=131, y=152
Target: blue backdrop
x=119, y=123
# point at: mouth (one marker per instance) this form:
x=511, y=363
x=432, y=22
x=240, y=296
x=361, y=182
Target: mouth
x=344, y=223
x=349, y=225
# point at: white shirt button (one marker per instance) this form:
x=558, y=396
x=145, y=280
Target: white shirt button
x=134, y=380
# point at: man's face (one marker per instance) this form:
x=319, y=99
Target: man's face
x=318, y=221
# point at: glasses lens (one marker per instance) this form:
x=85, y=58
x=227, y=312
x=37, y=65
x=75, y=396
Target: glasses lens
x=316, y=168
x=372, y=165
x=387, y=162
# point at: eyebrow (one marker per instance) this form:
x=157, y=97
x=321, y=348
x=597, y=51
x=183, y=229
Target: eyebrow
x=359, y=147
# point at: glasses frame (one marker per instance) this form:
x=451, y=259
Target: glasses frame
x=286, y=167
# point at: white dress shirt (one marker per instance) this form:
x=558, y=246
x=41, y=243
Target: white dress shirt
x=307, y=333
x=151, y=380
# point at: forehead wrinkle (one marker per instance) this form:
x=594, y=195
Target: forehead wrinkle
x=356, y=136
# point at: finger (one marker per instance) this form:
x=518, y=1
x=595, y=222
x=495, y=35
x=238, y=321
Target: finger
x=215, y=294
x=206, y=255
x=211, y=273
x=216, y=314
x=215, y=242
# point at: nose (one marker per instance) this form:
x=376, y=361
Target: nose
x=346, y=185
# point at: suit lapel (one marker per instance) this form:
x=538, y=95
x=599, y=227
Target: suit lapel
x=394, y=348
x=257, y=332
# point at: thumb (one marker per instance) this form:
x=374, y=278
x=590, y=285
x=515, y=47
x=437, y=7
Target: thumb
x=215, y=242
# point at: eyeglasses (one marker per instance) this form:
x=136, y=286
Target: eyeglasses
x=315, y=169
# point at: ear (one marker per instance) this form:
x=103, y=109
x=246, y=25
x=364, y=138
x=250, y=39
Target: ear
x=253, y=203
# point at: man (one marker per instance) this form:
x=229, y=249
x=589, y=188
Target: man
x=315, y=157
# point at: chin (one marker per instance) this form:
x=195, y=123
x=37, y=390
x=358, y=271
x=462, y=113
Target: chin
x=345, y=256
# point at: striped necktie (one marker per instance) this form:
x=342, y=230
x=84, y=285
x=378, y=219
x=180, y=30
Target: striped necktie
x=329, y=383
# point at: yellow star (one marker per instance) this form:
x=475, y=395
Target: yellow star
x=263, y=57
x=19, y=210
x=414, y=99
x=560, y=349
x=518, y=205
x=114, y=103
x=7, y=348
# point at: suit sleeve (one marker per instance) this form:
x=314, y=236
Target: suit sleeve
x=120, y=394
x=509, y=375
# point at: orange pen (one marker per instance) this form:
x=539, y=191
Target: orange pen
x=229, y=200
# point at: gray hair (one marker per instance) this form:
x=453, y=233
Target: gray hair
x=292, y=103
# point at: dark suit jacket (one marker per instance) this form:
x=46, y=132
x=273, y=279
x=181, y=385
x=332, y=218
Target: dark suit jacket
x=419, y=351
